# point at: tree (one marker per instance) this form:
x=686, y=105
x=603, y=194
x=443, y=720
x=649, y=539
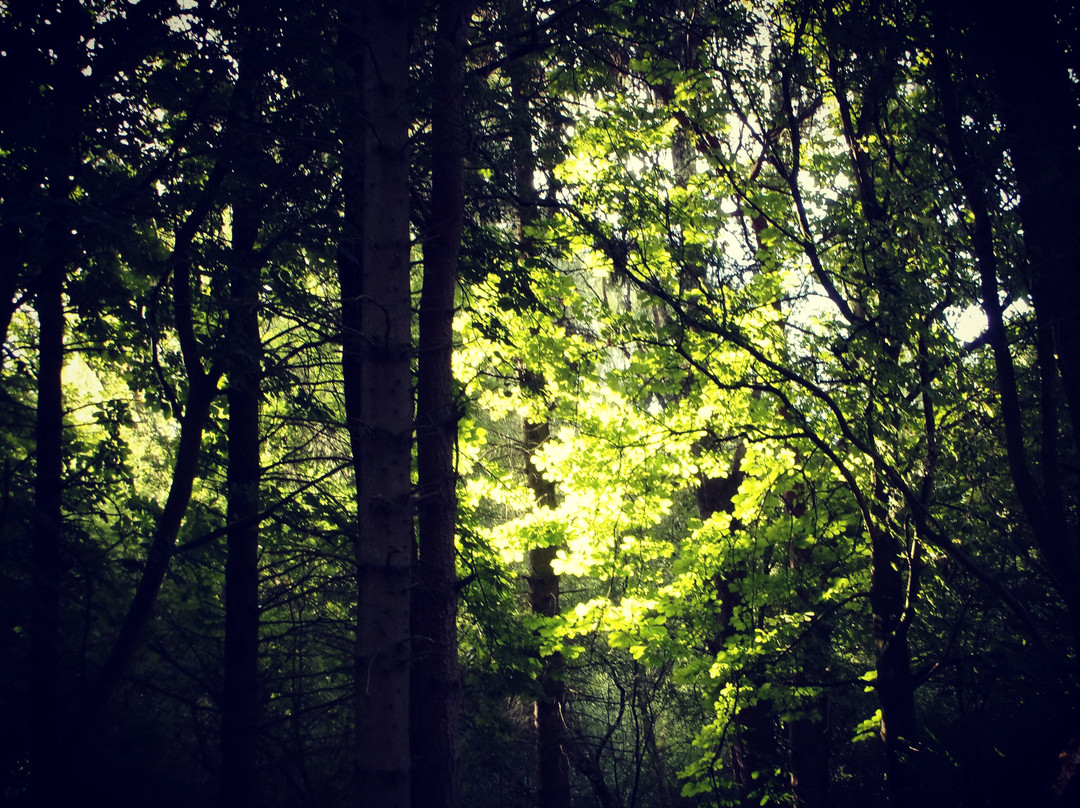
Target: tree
x=435, y=678
x=744, y=438
x=240, y=698
x=1032, y=81
x=373, y=268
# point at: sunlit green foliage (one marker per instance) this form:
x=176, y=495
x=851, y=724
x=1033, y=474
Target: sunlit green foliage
x=781, y=478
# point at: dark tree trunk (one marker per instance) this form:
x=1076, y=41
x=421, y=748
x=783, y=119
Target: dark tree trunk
x=751, y=745
x=435, y=681
x=10, y=266
x=196, y=412
x=48, y=530
x=240, y=704
x=552, y=737
x=240, y=716
x=374, y=272
x=1036, y=97
x=808, y=747
x=891, y=596
x=553, y=764
x=46, y=234
x=894, y=684
x=809, y=761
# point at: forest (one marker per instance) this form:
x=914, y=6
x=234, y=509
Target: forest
x=539, y=403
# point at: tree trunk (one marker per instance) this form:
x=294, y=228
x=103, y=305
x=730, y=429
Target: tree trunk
x=435, y=681
x=809, y=761
x=553, y=764
x=374, y=272
x=240, y=705
x=10, y=266
x=48, y=530
x=241, y=702
x=808, y=748
x=752, y=743
x=894, y=684
x=196, y=412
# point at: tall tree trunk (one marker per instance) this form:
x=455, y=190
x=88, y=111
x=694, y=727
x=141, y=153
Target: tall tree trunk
x=435, y=680
x=57, y=166
x=48, y=530
x=240, y=715
x=807, y=734
x=809, y=761
x=162, y=544
x=553, y=763
x=894, y=684
x=240, y=705
x=374, y=273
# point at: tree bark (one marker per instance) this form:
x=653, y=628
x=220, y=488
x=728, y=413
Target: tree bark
x=808, y=748
x=10, y=270
x=552, y=738
x=374, y=272
x=752, y=744
x=163, y=542
x=894, y=684
x=553, y=764
x=241, y=703
x=435, y=679
x=47, y=539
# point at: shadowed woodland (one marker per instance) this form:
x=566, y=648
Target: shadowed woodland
x=520, y=404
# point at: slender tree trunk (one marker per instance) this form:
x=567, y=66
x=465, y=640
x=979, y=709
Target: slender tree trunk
x=809, y=761
x=657, y=759
x=240, y=704
x=808, y=748
x=48, y=531
x=894, y=684
x=162, y=544
x=435, y=680
x=240, y=715
x=374, y=272
x=553, y=764
x=752, y=744
x=1035, y=93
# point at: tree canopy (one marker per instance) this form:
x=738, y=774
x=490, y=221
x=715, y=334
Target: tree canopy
x=565, y=403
